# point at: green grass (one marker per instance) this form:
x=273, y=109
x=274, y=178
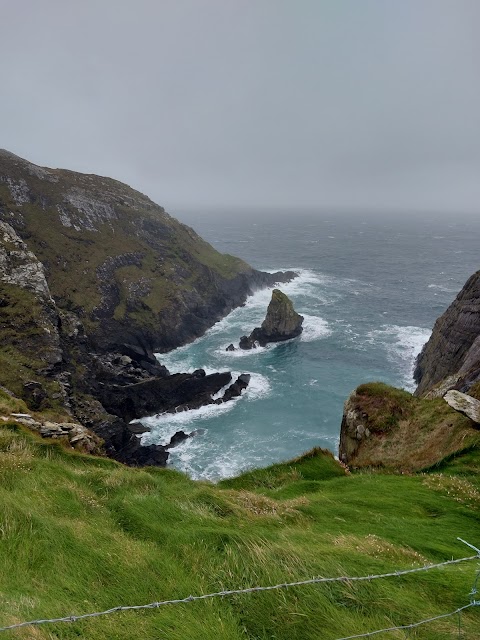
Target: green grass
x=80, y=534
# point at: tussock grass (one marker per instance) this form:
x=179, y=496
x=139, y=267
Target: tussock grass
x=79, y=534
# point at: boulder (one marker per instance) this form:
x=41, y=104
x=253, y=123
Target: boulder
x=177, y=438
x=464, y=403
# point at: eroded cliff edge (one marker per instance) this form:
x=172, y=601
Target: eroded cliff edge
x=94, y=278
x=391, y=428
x=451, y=358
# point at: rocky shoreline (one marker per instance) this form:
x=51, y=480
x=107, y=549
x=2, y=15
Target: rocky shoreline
x=95, y=278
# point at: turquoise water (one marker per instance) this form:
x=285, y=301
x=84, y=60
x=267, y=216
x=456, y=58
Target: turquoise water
x=370, y=290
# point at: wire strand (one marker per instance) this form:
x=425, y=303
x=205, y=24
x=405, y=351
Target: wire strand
x=413, y=624
x=156, y=605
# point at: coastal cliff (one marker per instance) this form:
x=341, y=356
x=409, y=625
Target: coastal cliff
x=387, y=427
x=94, y=279
x=451, y=358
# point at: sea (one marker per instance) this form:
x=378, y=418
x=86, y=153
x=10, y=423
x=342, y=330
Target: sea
x=370, y=288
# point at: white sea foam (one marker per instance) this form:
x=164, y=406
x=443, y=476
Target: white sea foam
x=442, y=287
x=163, y=426
x=314, y=328
x=402, y=345
x=259, y=387
x=242, y=353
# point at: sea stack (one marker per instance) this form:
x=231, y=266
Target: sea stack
x=281, y=323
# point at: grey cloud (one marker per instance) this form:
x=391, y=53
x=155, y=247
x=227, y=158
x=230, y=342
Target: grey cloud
x=218, y=103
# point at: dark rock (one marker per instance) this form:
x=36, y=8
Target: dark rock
x=281, y=323
x=136, y=455
x=34, y=395
x=137, y=428
x=453, y=345
x=199, y=373
x=172, y=393
x=177, y=438
x=230, y=347
x=246, y=343
x=235, y=389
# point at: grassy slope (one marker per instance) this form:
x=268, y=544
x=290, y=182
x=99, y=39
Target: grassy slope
x=81, y=534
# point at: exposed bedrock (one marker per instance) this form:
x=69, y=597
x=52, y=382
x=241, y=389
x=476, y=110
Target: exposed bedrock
x=281, y=323
x=454, y=346
x=170, y=393
x=464, y=403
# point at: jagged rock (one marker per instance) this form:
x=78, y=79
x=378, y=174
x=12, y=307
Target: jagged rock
x=34, y=394
x=353, y=429
x=453, y=346
x=235, y=389
x=179, y=392
x=20, y=266
x=246, y=343
x=230, y=347
x=135, y=454
x=78, y=436
x=177, y=438
x=282, y=322
x=464, y=403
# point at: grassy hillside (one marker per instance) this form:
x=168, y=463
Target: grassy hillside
x=81, y=534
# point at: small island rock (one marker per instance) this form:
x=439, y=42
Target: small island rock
x=281, y=323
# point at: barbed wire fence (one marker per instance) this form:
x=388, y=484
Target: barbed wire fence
x=347, y=579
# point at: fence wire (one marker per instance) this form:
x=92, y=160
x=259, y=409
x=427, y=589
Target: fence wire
x=413, y=624
x=156, y=605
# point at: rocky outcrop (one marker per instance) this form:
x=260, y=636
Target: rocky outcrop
x=78, y=436
x=178, y=392
x=353, y=430
x=464, y=403
x=94, y=279
x=281, y=323
x=454, y=346
x=389, y=428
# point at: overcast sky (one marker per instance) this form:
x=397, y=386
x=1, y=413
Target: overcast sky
x=345, y=104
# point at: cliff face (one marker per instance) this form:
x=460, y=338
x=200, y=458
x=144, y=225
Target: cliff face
x=451, y=358
x=131, y=273
x=94, y=278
